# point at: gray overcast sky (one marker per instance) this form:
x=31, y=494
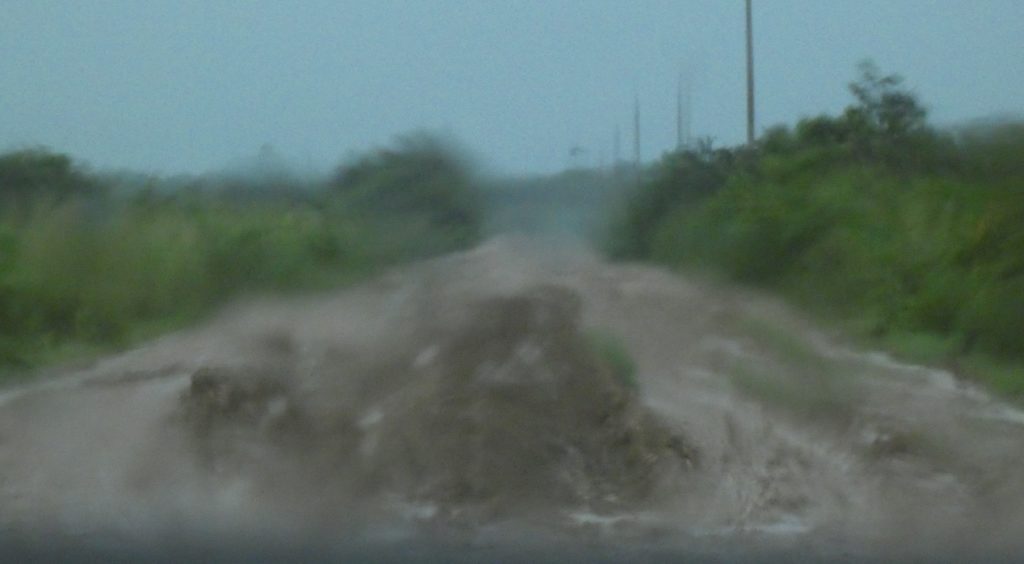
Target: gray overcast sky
x=191, y=85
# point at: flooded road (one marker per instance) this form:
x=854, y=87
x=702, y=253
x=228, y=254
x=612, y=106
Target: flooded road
x=462, y=401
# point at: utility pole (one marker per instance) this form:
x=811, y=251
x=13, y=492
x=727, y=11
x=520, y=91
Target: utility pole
x=683, y=112
x=750, y=78
x=636, y=132
x=679, y=113
x=616, y=148
x=688, y=112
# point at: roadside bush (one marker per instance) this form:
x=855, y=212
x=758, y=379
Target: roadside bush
x=419, y=195
x=871, y=217
x=77, y=271
x=33, y=175
x=680, y=180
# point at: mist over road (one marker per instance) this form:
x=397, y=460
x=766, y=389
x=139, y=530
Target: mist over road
x=453, y=399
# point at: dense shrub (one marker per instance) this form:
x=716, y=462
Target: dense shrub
x=79, y=270
x=34, y=175
x=680, y=180
x=871, y=216
x=418, y=194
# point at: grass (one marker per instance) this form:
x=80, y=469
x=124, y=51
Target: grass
x=1003, y=376
x=792, y=375
x=1007, y=378
x=613, y=353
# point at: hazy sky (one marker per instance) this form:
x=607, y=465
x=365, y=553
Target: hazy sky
x=190, y=85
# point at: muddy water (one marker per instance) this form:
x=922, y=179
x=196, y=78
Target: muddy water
x=337, y=418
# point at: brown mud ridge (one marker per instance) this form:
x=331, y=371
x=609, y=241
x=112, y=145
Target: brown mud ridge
x=507, y=411
x=463, y=398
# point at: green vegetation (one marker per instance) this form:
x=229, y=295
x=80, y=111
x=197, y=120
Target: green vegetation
x=420, y=198
x=910, y=236
x=793, y=376
x=87, y=265
x=613, y=353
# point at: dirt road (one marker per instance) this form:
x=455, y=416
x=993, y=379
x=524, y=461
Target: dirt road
x=458, y=399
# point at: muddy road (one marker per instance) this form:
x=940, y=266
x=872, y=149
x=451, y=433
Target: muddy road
x=467, y=401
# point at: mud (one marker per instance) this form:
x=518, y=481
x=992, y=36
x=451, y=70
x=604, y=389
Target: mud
x=459, y=399
x=505, y=410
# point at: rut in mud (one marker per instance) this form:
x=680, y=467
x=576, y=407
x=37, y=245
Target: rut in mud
x=463, y=396
x=502, y=411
